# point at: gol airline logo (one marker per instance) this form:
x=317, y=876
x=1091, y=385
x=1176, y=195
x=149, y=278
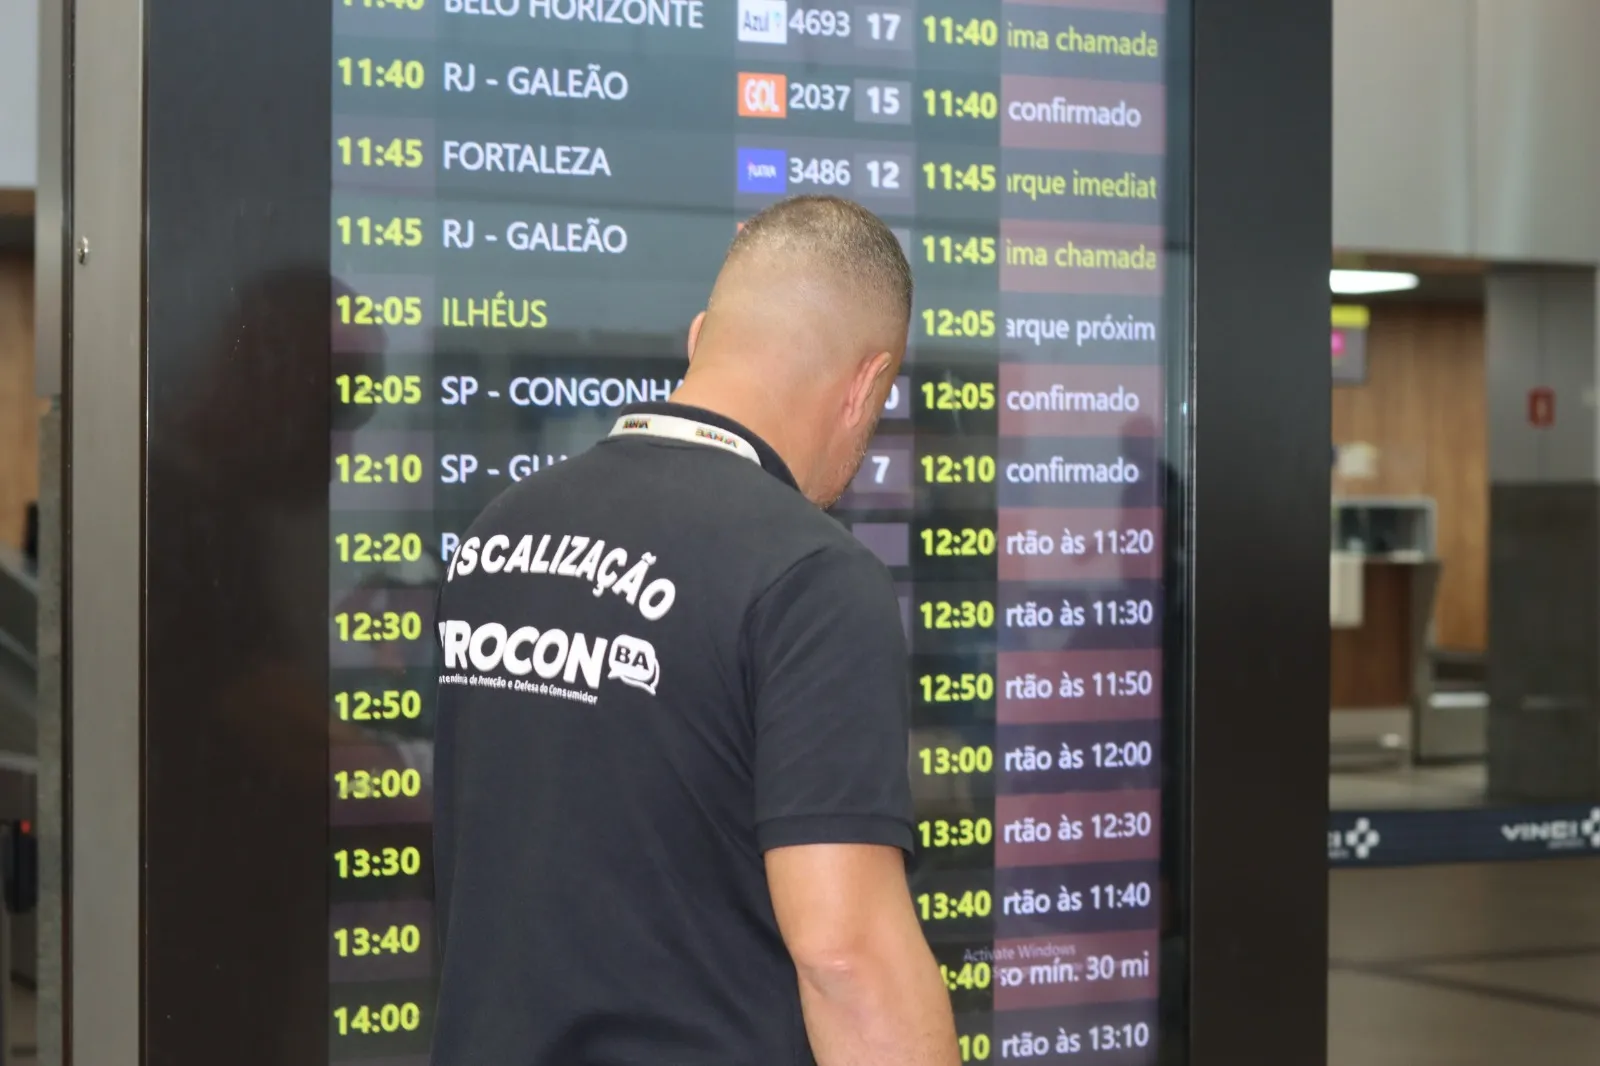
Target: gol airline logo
x=763, y=95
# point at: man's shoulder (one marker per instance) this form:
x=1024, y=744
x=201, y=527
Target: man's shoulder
x=798, y=535
x=736, y=516
x=718, y=496
x=558, y=488
x=830, y=572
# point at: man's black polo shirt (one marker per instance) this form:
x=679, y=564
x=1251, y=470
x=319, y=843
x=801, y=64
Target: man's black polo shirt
x=658, y=661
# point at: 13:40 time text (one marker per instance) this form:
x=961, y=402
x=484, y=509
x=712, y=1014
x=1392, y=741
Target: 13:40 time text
x=395, y=940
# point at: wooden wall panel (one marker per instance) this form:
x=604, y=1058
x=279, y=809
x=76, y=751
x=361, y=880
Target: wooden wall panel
x=19, y=408
x=1424, y=407
x=1370, y=667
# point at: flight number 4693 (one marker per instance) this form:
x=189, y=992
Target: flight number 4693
x=820, y=22
x=836, y=22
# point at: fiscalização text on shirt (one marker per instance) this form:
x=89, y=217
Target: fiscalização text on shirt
x=527, y=659
x=609, y=570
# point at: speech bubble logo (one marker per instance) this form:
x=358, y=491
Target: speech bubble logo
x=633, y=662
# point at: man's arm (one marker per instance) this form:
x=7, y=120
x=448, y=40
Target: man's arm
x=834, y=814
x=869, y=986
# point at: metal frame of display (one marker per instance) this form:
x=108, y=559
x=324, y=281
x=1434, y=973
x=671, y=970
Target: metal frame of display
x=151, y=974
x=101, y=306
x=52, y=310
x=102, y=380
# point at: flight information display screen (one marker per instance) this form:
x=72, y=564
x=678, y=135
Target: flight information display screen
x=530, y=201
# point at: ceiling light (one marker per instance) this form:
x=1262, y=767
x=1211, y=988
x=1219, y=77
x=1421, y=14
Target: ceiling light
x=1365, y=282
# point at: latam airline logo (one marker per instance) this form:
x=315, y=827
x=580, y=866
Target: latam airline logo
x=763, y=171
x=763, y=95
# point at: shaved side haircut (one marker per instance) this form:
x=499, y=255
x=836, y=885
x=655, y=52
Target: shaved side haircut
x=850, y=243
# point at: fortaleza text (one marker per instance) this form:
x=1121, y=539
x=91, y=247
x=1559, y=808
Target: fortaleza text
x=511, y=157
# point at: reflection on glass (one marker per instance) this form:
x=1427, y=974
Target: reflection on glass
x=531, y=208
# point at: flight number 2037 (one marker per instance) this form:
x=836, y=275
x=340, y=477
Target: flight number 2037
x=811, y=96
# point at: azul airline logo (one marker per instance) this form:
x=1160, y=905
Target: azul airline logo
x=543, y=662
x=764, y=21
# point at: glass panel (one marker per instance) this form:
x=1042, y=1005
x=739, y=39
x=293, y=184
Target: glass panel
x=530, y=201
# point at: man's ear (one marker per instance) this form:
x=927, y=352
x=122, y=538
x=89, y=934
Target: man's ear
x=694, y=333
x=863, y=394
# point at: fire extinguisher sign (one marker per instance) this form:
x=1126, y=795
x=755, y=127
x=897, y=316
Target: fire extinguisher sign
x=1541, y=407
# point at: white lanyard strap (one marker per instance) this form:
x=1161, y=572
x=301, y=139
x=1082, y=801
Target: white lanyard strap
x=675, y=428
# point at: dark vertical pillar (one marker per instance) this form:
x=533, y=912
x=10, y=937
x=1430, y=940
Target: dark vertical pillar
x=1261, y=412
x=1544, y=537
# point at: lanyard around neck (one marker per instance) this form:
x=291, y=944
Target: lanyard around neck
x=674, y=427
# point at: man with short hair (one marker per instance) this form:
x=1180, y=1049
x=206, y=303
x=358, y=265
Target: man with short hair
x=671, y=785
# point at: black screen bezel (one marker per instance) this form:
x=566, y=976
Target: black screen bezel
x=235, y=820
x=238, y=106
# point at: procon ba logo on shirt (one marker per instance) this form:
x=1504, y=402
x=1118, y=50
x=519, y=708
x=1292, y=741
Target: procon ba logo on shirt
x=552, y=661
x=543, y=662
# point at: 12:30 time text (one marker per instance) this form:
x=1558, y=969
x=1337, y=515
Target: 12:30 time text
x=377, y=626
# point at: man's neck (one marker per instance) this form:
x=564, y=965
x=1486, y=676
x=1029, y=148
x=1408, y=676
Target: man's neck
x=750, y=408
